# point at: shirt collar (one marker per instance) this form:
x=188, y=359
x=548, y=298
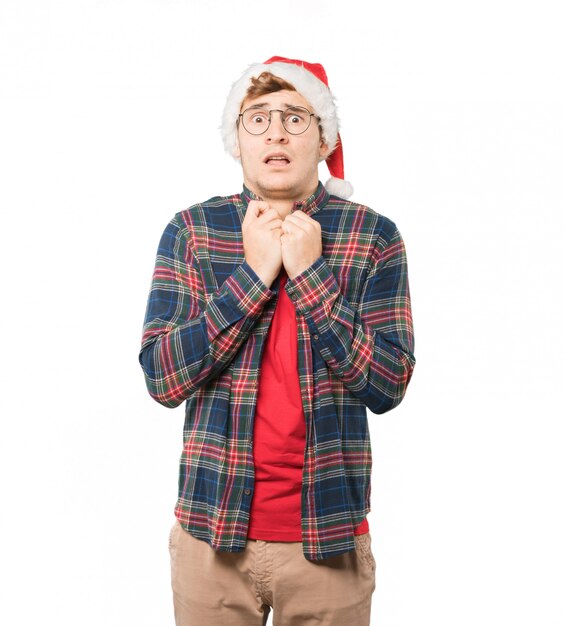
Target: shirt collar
x=309, y=206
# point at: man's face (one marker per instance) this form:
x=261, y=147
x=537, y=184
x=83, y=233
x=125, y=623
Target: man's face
x=277, y=164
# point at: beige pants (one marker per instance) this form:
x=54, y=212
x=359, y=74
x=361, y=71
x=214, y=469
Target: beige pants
x=212, y=588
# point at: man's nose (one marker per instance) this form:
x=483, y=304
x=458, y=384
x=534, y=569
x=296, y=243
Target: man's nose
x=276, y=131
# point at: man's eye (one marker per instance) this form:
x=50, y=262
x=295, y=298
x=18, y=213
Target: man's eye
x=259, y=118
x=294, y=118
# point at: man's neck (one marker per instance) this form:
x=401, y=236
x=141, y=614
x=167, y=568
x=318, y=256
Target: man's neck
x=283, y=205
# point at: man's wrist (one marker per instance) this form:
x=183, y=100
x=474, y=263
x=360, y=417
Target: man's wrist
x=266, y=277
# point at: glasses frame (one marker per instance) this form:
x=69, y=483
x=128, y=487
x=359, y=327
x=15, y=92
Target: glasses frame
x=270, y=112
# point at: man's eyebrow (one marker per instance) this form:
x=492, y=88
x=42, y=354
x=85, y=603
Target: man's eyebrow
x=286, y=105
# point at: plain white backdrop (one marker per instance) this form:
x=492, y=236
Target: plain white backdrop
x=453, y=127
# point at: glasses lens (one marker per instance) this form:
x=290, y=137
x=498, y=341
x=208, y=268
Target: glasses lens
x=255, y=121
x=296, y=120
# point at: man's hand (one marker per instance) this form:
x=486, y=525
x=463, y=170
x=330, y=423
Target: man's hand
x=261, y=230
x=301, y=242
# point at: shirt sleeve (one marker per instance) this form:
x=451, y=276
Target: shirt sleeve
x=370, y=348
x=187, y=338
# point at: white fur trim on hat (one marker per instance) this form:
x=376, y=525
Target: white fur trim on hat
x=339, y=187
x=308, y=85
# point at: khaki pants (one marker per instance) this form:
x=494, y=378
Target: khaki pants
x=212, y=588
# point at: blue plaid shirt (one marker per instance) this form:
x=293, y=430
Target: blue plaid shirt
x=206, y=322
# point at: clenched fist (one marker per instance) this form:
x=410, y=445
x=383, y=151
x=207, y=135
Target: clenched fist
x=261, y=231
x=301, y=242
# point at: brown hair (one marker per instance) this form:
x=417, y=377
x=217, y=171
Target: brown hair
x=267, y=83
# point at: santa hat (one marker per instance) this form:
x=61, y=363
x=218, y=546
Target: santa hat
x=311, y=81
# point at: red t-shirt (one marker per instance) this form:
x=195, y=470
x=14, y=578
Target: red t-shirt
x=279, y=433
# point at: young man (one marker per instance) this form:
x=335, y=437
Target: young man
x=278, y=315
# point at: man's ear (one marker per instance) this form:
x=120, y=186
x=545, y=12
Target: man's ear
x=324, y=150
x=236, y=152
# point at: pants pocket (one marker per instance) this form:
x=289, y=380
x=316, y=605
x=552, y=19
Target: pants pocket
x=363, y=547
x=173, y=534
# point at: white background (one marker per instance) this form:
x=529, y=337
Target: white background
x=453, y=127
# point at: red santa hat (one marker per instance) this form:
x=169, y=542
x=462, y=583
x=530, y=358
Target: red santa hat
x=311, y=81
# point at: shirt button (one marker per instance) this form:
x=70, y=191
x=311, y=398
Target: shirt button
x=247, y=492
x=316, y=337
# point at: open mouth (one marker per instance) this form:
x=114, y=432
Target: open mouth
x=277, y=160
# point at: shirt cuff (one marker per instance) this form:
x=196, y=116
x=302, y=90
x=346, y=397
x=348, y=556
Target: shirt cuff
x=314, y=286
x=247, y=290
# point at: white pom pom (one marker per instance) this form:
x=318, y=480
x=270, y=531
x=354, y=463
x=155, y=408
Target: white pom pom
x=338, y=187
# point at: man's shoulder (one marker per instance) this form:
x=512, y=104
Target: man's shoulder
x=216, y=211
x=213, y=203
x=364, y=214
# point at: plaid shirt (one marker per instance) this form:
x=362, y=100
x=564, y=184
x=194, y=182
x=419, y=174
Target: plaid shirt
x=206, y=322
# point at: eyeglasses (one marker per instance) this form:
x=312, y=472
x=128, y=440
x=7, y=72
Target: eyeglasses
x=296, y=120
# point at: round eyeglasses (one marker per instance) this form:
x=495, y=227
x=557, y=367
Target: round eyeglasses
x=296, y=120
